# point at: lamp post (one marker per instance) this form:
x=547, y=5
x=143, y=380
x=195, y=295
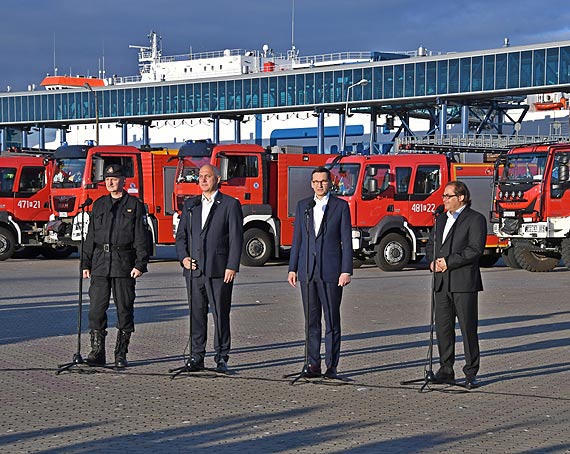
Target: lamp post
x=88, y=87
x=343, y=136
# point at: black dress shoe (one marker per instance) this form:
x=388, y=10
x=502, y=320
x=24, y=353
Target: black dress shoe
x=194, y=365
x=331, y=373
x=222, y=367
x=471, y=382
x=312, y=372
x=443, y=378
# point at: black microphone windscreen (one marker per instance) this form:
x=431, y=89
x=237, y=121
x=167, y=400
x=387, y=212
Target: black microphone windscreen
x=439, y=210
x=311, y=204
x=88, y=201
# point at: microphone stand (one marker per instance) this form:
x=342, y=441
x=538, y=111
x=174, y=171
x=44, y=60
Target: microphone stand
x=77, y=358
x=306, y=367
x=429, y=376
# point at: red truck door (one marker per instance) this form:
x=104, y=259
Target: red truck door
x=425, y=193
x=31, y=196
x=244, y=179
x=557, y=195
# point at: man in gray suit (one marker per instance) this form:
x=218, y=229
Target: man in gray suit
x=453, y=254
x=208, y=244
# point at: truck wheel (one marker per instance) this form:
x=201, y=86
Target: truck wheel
x=533, y=260
x=58, y=252
x=392, y=253
x=488, y=260
x=509, y=258
x=27, y=252
x=256, y=247
x=7, y=244
x=566, y=251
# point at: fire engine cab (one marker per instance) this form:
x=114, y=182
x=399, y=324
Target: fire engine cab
x=532, y=206
x=268, y=183
x=392, y=200
x=24, y=207
x=78, y=176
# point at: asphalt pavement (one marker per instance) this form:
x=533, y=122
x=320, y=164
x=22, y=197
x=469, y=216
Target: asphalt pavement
x=523, y=405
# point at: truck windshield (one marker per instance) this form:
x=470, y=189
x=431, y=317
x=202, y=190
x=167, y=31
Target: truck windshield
x=68, y=173
x=189, y=167
x=344, y=178
x=525, y=167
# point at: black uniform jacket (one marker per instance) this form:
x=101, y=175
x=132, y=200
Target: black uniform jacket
x=114, y=248
x=461, y=249
x=217, y=246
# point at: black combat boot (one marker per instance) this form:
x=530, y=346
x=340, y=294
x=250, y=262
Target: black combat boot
x=96, y=356
x=122, y=348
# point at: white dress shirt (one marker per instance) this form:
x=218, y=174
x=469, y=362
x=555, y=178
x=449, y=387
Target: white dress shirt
x=451, y=218
x=207, y=206
x=319, y=211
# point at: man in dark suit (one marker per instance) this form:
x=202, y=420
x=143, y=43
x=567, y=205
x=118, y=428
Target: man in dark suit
x=208, y=244
x=323, y=231
x=453, y=253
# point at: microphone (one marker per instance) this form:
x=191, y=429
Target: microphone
x=310, y=206
x=88, y=201
x=438, y=210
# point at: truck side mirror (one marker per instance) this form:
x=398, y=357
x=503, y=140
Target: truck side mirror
x=370, y=189
x=224, y=168
x=98, y=170
x=563, y=173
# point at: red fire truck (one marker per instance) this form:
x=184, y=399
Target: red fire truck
x=268, y=185
x=24, y=207
x=392, y=199
x=78, y=175
x=532, y=206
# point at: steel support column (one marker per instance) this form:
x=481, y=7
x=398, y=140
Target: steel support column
x=258, y=129
x=42, y=137
x=237, y=130
x=321, y=132
x=25, y=138
x=443, y=118
x=3, y=139
x=216, y=129
x=146, y=138
x=373, y=128
x=465, y=119
x=124, y=134
x=342, y=133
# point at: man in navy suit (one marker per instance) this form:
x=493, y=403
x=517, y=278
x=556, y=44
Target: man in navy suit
x=323, y=231
x=208, y=244
x=453, y=254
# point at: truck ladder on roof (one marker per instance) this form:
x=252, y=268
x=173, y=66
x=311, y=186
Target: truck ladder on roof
x=471, y=143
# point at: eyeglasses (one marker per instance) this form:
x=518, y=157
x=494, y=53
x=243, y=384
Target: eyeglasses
x=320, y=183
x=448, y=196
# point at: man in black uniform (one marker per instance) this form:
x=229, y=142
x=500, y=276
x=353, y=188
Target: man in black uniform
x=115, y=254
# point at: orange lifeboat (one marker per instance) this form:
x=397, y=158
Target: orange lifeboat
x=551, y=105
x=63, y=82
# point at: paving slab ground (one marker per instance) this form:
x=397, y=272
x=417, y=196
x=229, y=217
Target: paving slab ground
x=522, y=407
